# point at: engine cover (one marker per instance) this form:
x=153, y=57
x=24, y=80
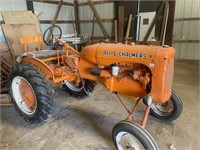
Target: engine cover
x=159, y=60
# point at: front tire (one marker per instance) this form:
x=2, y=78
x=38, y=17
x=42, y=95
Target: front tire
x=81, y=91
x=131, y=136
x=168, y=111
x=31, y=93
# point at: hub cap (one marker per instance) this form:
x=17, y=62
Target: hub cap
x=164, y=109
x=126, y=141
x=24, y=95
x=72, y=86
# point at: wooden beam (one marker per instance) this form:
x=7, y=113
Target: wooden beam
x=30, y=6
x=77, y=20
x=55, y=19
x=170, y=24
x=100, y=37
x=102, y=20
x=57, y=22
x=96, y=2
x=54, y=2
x=120, y=23
x=71, y=21
x=57, y=12
x=116, y=31
x=187, y=19
x=154, y=21
x=164, y=23
x=186, y=41
x=98, y=19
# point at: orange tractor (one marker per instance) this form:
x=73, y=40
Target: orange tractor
x=136, y=71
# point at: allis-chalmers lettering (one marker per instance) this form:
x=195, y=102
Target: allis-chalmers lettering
x=125, y=54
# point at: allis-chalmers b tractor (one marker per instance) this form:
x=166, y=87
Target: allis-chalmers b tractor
x=136, y=71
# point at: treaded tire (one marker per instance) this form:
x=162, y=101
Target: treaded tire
x=126, y=133
x=172, y=114
x=80, y=92
x=41, y=89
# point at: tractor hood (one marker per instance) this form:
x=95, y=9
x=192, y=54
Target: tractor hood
x=159, y=60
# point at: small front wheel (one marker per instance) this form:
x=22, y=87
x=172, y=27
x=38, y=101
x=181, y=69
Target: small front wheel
x=168, y=111
x=131, y=136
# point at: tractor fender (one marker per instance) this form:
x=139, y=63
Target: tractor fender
x=39, y=64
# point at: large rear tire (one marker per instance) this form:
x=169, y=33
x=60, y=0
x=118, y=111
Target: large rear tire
x=168, y=111
x=31, y=93
x=131, y=136
x=83, y=90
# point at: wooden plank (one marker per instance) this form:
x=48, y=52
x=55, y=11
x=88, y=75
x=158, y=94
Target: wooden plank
x=120, y=23
x=188, y=19
x=96, y=2
x=71, y=21
x=164, y=23
x=116, y=33
x=102, y=20
x=100, y=37
x=77, y=19
x=98, y=19
x=5, y=98
x=7, y=60
x=21, y=17
x=170, y=24
x=57, y=22
x=128, y=27
x=154, y=21
x=57, y=12
x=186, y=41
x=55, y=19
x=54, y=2
x=14, y=32
x=93, y=24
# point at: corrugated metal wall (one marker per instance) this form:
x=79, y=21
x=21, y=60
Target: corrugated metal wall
x=66, y=13
x=187, y=30
x=48, y=11
x=105, y=11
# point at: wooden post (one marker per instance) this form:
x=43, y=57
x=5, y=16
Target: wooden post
x=98, y=19
x=164, y=23
x=77, y=20
x=170, y=24
x=128, y=27
x=55, y=19
x=120, y=23
x=116, y=34
x=93, y=29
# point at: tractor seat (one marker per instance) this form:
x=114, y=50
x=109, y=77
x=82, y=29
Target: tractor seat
x=42, y=54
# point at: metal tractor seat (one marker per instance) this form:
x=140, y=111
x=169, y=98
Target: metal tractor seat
x=38, y=53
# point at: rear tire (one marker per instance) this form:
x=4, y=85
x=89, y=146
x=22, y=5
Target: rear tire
x=168, y=111
x=31, y=93
x=131, y=136
x=80, y=92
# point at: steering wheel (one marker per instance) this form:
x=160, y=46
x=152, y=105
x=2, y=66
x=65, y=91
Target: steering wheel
x=50, y=32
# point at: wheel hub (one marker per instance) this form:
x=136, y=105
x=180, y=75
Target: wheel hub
x=126, y=141
x=24, y=95
x=27, y=94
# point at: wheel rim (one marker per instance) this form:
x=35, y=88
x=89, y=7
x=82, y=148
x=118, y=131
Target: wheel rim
x=24, y=95
x=126, y=141
x=164, y=109
x=72, y=86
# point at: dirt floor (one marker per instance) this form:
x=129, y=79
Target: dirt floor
x=87, y=124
